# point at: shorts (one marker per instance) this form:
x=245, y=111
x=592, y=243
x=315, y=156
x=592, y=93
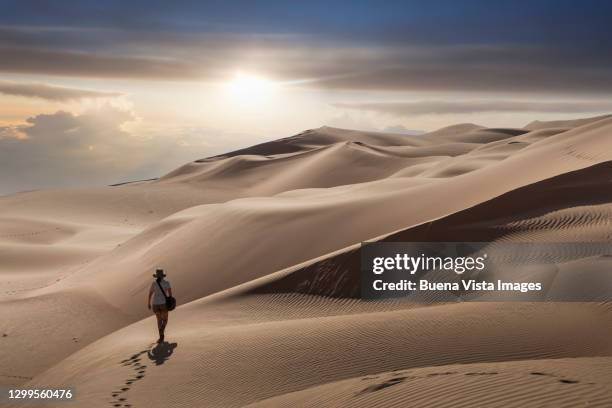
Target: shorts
x=160, y=308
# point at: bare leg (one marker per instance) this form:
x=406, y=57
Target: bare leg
x=162, y=325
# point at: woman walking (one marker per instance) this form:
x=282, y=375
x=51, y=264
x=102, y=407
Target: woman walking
x=158, y=293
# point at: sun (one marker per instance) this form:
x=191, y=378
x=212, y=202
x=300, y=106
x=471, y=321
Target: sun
x=249, y=89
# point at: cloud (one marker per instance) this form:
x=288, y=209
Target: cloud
x=467, y=68
x=92, y=148
x=308, y=60
x=94, y=65
x=428, y=107
x=51, y=92
x=11, y=132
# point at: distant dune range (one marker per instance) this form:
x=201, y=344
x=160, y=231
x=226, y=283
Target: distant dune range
x=261, y=246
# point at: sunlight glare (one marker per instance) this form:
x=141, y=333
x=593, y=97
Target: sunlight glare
x=250, y=89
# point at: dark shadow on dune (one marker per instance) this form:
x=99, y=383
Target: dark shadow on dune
x=338, y=275
x=161, y=352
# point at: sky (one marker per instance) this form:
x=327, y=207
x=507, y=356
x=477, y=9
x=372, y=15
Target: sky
x=95, y=93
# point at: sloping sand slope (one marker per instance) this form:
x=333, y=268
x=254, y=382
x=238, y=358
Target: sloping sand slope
x=261, y=246
x=555, y=383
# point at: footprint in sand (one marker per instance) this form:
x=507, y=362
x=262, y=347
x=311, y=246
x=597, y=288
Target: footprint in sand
x=139, y=373
x=158, y=353
x=542, y=374
x=444, y=373
x=397, y=379
x=482, y=373
x=377, y=387
x=563, y=380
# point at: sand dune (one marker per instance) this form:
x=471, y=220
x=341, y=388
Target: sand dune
x=262, y=352
x=262, y=248
x=559, y=383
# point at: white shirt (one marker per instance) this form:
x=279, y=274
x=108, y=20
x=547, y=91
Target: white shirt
x=158, y=296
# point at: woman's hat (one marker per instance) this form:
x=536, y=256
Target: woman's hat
x=159, y=273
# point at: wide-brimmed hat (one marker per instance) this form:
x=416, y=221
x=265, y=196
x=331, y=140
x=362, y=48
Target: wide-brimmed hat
x=159, y=273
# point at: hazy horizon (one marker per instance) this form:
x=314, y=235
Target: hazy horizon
x=95, y=94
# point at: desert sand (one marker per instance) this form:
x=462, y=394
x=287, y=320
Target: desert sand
x=261, y=246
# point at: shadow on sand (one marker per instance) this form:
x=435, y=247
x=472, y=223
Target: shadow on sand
x=158, y=353
x=161, y=352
